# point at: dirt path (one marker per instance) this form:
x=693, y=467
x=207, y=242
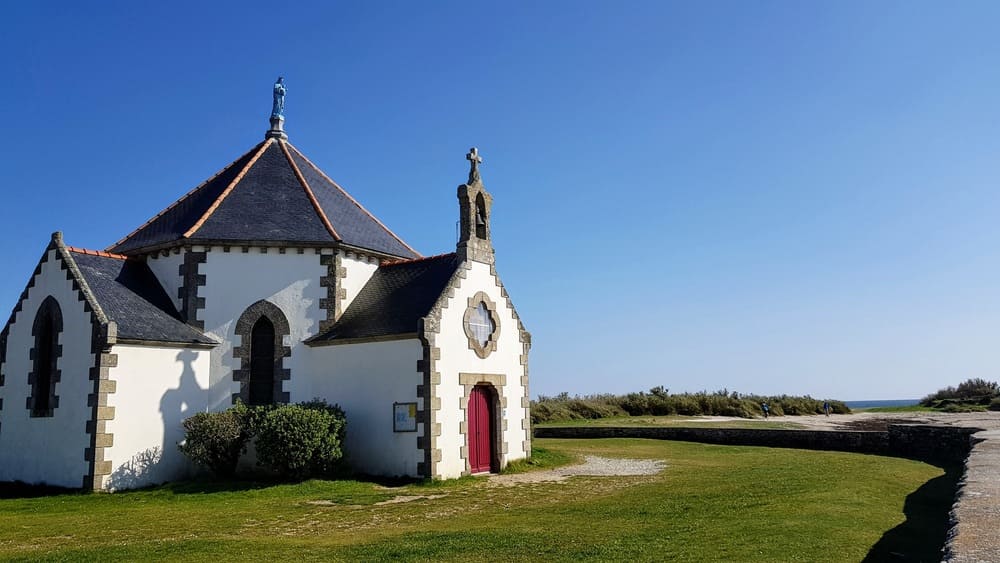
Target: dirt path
x=874, y=420
x=592, y=466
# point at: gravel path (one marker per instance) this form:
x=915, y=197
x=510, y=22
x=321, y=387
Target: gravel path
x=592, y=465
x=872, y=420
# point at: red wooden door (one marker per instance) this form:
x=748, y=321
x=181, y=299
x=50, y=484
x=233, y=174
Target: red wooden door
x=480, y=430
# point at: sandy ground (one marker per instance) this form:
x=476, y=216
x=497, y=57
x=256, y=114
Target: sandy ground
x=875, y=420
x=592, y=465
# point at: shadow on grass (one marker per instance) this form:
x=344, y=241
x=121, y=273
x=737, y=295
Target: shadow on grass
x=20, y=489
x=207, y=485
x=256, y=481
x=922, y=536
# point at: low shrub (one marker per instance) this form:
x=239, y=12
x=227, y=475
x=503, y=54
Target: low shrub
x=301, y=441
x=216, y=440
x=659, y=402
x=974, y=391
x=963, y=408
x=564, y=407
x=995, y=404
x=686, y=405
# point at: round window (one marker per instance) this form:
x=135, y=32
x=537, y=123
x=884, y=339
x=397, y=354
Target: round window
x=482, y=325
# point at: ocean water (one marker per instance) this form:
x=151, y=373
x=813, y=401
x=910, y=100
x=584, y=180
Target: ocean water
x=890, y=403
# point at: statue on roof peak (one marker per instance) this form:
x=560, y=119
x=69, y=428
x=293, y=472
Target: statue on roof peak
x=278, y=107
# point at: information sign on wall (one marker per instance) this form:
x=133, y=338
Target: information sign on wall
x=404, y=417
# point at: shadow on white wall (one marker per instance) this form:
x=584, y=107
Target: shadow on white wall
x=163, y=461
x=139, y=471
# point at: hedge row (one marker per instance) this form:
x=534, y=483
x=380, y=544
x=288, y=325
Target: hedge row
x=658, y=401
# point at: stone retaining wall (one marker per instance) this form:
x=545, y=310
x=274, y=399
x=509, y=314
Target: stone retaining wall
x=975, y=536
x=866, y=442
x=917, y=441
x=949, y=444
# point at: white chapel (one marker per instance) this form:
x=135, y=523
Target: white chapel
x=267, y=283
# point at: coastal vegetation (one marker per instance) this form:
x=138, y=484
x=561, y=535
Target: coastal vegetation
x=658, y=401
x=785, y=423
x=710, y=503
x=972, y=395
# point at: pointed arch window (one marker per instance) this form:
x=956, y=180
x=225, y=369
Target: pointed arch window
x=262, y=363
x=261, y=354
x=45, y=359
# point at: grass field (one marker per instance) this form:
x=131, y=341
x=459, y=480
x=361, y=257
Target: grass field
x=677, y=420
x=711, y=503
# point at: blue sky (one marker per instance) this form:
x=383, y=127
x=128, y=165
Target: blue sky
x=769, y=197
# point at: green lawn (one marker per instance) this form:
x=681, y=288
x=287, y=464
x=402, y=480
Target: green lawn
x=680, y=421
x=711, y=503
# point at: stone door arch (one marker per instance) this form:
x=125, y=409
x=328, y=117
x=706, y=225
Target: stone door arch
x=491, y=387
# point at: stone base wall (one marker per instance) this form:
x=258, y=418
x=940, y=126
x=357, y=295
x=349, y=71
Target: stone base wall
x=949, y=444
x=917, y=441
x=975, y=536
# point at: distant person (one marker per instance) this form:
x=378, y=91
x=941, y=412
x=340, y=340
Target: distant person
x=826, y=407
x=764, y=407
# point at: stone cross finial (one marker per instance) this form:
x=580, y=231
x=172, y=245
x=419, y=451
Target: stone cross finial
x=475, y=160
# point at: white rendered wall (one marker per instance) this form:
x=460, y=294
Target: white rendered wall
x=456, y=357
x=359, y=271
x=157, y=388
x=48, y=449
x=235, y=280
x=167, y=270
x=365, y=379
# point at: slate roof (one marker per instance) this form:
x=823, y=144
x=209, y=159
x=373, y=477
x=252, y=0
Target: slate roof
x=129, y=293
x=394, y=299
x=273, y=193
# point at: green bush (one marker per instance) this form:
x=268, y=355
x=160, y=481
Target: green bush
x=658, y=402
x=995, y=404
x=301, y=441
x=216, y=440
x=564, y=407
x=971, y=391
x=686, y=405
x=636, y=404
